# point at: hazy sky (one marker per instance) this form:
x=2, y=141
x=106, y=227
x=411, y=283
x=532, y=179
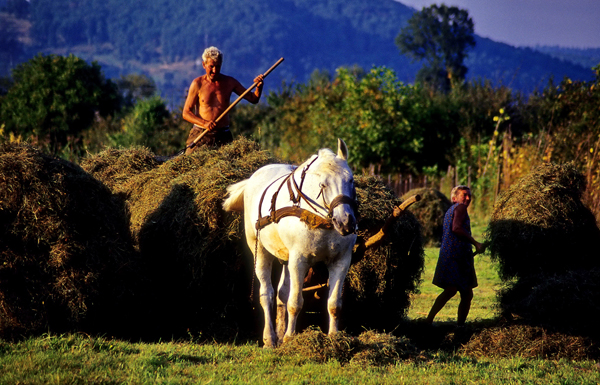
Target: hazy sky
x=567, y=23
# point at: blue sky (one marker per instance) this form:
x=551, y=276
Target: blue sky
x=566, y=23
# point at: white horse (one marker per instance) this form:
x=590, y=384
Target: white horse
x=300, y=215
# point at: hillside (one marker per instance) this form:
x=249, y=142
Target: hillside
x=164, y=39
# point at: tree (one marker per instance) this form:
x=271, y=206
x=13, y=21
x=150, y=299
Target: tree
x=134, y=87
x=441, y=36
x=55, y=98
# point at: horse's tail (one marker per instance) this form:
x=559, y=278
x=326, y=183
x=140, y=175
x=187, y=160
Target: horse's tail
x=235, y=198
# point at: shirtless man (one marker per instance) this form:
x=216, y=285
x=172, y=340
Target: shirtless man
x=209, y=95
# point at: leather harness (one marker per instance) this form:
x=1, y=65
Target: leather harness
x=312, y=220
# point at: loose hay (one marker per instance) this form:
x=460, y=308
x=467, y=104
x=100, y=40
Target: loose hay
x=369, y=348
x=430, y=211
x=114, y=167
x=540, y=225
x=378, y=286
x=315, y=346
x=527, y=342
x=65, y=256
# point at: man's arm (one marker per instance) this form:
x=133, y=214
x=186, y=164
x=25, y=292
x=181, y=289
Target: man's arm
x=252, y=97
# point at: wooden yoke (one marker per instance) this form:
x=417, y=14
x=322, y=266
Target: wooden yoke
x=375, y=240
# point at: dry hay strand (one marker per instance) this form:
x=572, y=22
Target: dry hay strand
x=541, y=225
x=113, y=167
x=378, y=286
x=430, y=211
x=528, y=342
x=369, y=348
x=197, y=264
x=378, y=349
x=312, y=345
x=65, y=255
x=563, y=301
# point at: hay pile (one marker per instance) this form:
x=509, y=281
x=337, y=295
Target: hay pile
x=378, y=286
x=540, y=224
x=567, y=302
x=545, y=241
x=528, y=342
x=114, y=167
x=66, y=259
x=430, y=211
x=194, y=254
x=369, y=348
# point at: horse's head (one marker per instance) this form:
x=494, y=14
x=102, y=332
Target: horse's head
x=334, y=179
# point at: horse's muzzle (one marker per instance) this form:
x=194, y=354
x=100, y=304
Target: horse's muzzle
x=347, y=224
x=345, y=227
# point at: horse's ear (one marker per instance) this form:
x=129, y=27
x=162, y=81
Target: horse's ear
x=342, y=150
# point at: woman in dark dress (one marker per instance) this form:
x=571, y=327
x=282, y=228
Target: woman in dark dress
x=455, y=271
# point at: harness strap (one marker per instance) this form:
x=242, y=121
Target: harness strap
x=340, y=200
x=313, y=220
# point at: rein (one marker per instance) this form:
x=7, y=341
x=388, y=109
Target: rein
x=314, y=221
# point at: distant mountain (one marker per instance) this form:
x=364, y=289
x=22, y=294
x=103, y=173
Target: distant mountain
x=164, y=39
x=585, y=57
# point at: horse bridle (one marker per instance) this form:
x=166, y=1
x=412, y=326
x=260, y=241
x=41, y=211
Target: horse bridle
x=296, y=210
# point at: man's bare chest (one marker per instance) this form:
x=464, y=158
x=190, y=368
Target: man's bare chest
x=214, y=93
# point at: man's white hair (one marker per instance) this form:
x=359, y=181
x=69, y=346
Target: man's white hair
x=212, y=53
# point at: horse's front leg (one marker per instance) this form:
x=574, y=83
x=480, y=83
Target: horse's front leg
x=297, y=271
x=264, y=264
x=337, y=275
x=283, y=294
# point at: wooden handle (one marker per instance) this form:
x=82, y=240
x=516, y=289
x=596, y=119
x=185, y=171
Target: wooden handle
x=237, y=101
x=398, y=210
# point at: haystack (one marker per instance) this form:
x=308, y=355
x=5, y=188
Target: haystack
x=540, y=225
x=430, y=211
x=378, y=286
x=195, y=258
x=66, y=259
x=545, y=241
x=567, y=302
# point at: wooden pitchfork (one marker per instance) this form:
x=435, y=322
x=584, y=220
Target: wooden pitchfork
x=182, y=151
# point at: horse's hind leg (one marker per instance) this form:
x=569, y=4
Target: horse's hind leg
x=283, y=293
x=264, y=264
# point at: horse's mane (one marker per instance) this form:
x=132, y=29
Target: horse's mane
x=325, y=162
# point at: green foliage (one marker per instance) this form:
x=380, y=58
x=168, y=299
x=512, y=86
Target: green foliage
x=139, y=126
x=55, y=98
x=371, y=111
x=439, y=35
